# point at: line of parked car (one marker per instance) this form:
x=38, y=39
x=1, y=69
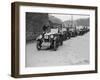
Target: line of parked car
x=54, y=37
x=73, y=32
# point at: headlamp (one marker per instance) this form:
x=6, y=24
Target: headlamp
x=46, y=36
x=51, y=36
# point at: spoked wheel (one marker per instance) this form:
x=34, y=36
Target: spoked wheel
x=38, y=45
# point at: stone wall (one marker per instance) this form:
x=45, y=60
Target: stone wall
x=34, y=24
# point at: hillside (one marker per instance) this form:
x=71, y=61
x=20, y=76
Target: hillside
x=54, y=19
x=78, y=22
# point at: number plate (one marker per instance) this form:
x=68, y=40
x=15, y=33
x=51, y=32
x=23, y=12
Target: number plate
x=46, y=44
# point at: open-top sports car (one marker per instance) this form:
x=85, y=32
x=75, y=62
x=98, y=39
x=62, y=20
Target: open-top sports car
x=51, y=39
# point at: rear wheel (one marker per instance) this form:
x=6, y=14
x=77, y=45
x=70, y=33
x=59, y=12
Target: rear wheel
x=55, y=45
x=61, y=43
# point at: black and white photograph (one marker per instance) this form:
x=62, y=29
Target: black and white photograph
x=51, y=39
x=57, y=39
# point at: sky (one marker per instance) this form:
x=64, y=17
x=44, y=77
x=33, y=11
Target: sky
x=65, y=17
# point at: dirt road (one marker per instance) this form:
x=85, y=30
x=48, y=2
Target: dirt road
x=74, y=51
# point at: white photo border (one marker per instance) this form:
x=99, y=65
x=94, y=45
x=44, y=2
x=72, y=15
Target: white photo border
x=38, y=70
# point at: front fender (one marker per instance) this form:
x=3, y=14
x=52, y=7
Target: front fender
x=39, y=37
x=39, y=40
x=55, y=38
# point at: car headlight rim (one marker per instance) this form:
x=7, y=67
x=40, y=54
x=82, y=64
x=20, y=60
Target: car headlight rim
x=52, y=36
x=46, y=36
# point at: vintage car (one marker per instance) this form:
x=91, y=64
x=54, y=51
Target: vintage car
x=65, y=33
x=51, y=39
x=83, y=30
x=72, y=31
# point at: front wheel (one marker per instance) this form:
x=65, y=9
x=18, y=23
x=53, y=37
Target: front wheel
x=38, y=45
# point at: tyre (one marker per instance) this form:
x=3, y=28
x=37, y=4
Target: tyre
x=68, y=36
x=61, y=42
x=55, y=45
x=38, y=45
